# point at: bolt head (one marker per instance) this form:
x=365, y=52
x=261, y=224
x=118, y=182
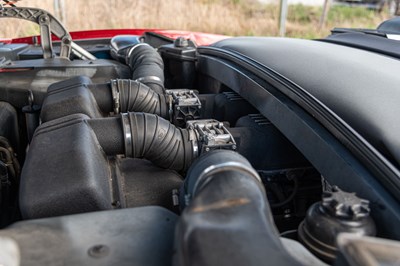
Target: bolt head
x=44, y=19
x=181, y=42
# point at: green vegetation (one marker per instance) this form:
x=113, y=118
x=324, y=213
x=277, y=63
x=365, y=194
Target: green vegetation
x=229, y=17
x=310, y=14
x=304, y=14
x=341, y=13
x=304, y=20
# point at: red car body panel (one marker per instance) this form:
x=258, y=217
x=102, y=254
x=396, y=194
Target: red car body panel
x=198, y=37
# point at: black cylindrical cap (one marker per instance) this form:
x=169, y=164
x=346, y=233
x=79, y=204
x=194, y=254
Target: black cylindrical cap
x=338, y=212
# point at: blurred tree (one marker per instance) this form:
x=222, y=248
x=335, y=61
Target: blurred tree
x=59, y=10
x=397, y=8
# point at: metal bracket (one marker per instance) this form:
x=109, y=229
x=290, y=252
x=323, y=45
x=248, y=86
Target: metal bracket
x=211, y=135
x=48, y=25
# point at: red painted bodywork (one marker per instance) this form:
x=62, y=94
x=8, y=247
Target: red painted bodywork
x=198, y=37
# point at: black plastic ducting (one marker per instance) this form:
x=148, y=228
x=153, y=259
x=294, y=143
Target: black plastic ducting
x=79, y=96
x=227, y=219
x=65, y=171
x=135, y=236
x=147, y=66
x=71, y=96
x=39, y=74
x=68, y=169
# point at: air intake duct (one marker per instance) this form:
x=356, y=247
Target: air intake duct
x=124, y=95
x=146, y=63
x=226, y=218
x=142, y=135
x=83, y=170
x=80, y=96
x=147, y=66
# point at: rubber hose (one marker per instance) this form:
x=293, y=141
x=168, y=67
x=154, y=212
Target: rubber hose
x=158, y=141
x=148, y=136
x=147, y=66
x=134, y=96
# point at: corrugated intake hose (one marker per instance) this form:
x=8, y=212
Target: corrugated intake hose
x=142, y=135
x=135, y=96
x=147, y=66
x=226, y=219
x=125, y=95
x=80, y=96
x=157, y=140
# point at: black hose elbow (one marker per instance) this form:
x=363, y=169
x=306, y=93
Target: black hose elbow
x=147, y=66
x=132, y=95
x=148, y=136
x=157, y=140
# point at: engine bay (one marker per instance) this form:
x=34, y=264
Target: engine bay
x=129, y=123
x=90, y=122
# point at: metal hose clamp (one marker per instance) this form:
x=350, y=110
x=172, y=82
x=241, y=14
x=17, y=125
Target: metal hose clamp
x=132, y=49
x=115, y=96
x=193, y=137
x=126, y=126
x=149, y=79
x=226, y=166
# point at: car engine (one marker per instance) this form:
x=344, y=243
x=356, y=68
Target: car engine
x=129, y=122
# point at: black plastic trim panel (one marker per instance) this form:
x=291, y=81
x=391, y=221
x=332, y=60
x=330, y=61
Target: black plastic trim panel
x=316, y=132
